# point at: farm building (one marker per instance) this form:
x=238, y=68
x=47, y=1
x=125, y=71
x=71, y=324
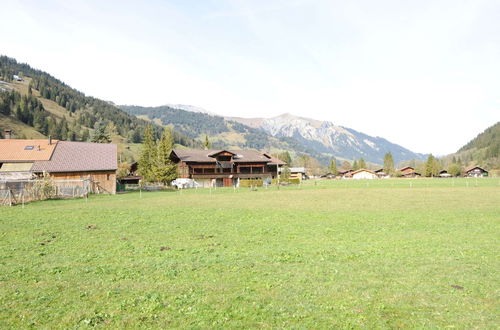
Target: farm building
x=475, y=172
x=345, y=173
x=364, y=174
x=298, y=173
x=62, y=160
x=408, y=172
x=224, y=168
x=444, y=174
x=381, y=173
x=133, y=178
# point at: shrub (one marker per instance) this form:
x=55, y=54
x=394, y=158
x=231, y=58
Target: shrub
x=245, y=183
x=45, y=187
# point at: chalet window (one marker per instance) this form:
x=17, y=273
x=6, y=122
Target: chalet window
x=107, y=176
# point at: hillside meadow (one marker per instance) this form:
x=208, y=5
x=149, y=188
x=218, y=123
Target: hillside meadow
x=349, y=254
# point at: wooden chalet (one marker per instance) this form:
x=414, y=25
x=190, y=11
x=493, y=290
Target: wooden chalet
x=345, y=173
x=444, y=174
x=133, y=178
x=408, y=172
x=298, y=173
x=475, y=172
x=224, y=168
x=381, y=173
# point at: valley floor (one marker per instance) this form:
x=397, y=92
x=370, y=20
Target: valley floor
x=377, y=254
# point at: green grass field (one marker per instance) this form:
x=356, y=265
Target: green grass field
x=350, y=254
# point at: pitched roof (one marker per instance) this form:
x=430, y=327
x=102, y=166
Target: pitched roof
x=207, y=156
x=470, y=168
x=363, y=170
x=276, y=161
x=14, y=150
x=79, y=157
x=16, y=167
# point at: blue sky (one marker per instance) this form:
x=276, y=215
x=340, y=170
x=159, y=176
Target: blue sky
x=423, y=74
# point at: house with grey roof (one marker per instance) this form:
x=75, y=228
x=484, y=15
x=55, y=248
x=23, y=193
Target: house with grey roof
x=62, y=160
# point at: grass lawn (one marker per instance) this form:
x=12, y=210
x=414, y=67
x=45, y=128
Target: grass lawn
x=354, y=254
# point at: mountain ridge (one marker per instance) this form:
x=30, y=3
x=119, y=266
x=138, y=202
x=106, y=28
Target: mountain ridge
x=321, y=139
x=327, y=137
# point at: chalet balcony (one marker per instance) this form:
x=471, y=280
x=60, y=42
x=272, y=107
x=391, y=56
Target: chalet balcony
x=221, y=164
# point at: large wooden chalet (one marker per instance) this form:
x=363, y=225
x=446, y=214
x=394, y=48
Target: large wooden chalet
x=224, y=168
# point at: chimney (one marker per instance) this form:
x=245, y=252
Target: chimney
x=50, y=140
x=7, y=134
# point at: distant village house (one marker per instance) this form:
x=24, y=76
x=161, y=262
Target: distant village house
x=364, y=174
x=408, y=172
x=475, y=172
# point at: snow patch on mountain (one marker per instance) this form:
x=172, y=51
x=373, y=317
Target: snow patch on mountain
x=190, y=108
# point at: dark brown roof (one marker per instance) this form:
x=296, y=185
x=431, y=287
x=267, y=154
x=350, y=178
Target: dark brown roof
x=470, y=168
x=344, y=170
x=241, y=156
x=79, y=157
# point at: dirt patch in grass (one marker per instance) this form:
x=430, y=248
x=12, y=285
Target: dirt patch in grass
x=204, y=237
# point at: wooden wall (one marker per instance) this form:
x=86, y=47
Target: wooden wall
x=103, y=181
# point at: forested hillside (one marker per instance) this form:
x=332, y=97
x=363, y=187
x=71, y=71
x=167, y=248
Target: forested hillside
x=222, y=133
x=483, y=150
x=33, y=98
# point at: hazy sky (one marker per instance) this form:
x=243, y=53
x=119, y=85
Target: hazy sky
x=423, y=74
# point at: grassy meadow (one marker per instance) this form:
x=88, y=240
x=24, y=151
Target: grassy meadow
x=350, y=254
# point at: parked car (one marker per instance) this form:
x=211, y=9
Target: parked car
x=183, y=183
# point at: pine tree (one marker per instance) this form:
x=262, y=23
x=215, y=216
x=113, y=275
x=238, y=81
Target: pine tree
x=432, y=166
x=100, y=134
x=333, y=167
x=361, y=163
x=455, y=169
x=285, y=156
x=206, y=143
x=388, y=163
x=164, y=169
x=85, y=135
x=148, y=156
x=355, y=165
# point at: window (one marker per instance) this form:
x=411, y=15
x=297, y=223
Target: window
x=107, y=176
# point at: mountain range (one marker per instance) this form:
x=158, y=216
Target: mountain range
x=321, y=139
x=35, y=105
